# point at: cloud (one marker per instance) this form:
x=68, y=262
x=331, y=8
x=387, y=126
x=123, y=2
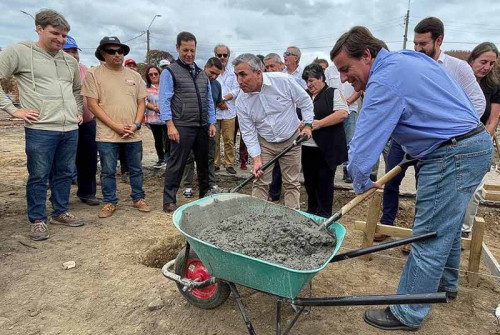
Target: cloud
x=258, y=26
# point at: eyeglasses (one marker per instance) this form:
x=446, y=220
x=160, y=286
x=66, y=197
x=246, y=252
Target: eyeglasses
x=113, y=51
x=222, y=55
x=154, y=74
x=288, y=53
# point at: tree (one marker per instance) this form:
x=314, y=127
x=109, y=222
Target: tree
x=460, y=54
x=155, y=56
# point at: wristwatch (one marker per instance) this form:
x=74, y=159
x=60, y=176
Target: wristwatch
x=310, y=125
x=138, y=125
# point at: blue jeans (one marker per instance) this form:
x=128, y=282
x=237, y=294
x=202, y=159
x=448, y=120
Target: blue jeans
x=108, y=153
x=447, y=178
x=49, y=151
x=349, y=127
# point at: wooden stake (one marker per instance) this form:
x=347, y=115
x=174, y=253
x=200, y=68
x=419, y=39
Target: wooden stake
x=374, y=212
x=475, y=251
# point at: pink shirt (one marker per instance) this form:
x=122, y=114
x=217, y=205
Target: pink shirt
x=87, y=114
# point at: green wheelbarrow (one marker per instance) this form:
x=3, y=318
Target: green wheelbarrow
x=206, y=275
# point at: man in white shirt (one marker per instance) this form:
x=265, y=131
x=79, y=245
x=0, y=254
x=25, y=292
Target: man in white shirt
x=266, y=110
x=429, y=34
x=226, y=112
x=292, y=58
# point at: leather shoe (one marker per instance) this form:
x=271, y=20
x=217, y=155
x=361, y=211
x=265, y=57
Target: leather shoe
x=231, y=170
x=169, y=207
x=91, y=201
x=378, y=237
x=383, y=319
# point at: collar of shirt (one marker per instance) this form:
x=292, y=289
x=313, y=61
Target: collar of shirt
x=442, y=57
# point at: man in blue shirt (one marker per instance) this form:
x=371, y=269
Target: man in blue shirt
x=409, y=97
x=187, y=107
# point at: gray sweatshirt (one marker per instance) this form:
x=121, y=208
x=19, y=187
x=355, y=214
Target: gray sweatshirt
x=47, y=83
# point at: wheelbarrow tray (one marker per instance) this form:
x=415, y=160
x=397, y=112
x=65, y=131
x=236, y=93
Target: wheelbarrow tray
x=238, y=268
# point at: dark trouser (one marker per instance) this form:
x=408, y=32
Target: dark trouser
x=243, y=148
x=318, y=180
x=132, y=153
x=123, y=161
x=275, y=187
x=161, y=140
x=195, y=138
x=391, y=189
x=54, y=153
x=86, y=160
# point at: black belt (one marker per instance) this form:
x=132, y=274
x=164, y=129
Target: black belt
x=458, y=138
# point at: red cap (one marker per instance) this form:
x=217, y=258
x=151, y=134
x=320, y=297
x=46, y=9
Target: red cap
x=129, y=61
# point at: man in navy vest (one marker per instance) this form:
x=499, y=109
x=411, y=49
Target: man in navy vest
x=187, y=107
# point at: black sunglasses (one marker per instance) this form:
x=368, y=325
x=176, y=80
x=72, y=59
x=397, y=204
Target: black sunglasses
x=222, y=55
x=113, y=51
x=288, y=53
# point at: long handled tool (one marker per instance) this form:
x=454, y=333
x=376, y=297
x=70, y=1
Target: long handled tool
x=295, y=143
x=407, y=161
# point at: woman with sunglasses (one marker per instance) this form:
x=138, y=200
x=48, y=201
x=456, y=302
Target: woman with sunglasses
x=483, y=60
x=152, y=117
x=327, y=148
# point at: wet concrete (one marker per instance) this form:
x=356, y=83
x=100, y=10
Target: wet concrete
x=260, y=229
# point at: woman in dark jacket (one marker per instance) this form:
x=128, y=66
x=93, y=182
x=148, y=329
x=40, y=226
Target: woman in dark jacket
x=327, y=148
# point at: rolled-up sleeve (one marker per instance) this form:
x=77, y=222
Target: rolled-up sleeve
x=382, y=109
x=165, y=95
x=247, y=129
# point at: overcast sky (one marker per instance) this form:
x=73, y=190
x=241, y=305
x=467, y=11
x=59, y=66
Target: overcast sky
x=258, y=26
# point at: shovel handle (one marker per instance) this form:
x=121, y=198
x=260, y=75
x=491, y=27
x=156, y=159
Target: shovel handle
x=296, y=142
x=407, y=161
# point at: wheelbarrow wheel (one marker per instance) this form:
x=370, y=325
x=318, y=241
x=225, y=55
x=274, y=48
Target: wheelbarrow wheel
x=207, y=297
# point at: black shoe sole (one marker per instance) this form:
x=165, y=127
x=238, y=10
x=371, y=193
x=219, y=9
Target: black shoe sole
x=402, y=327
x=90, y=202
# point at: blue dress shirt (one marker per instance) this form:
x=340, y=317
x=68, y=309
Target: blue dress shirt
x=412, y=99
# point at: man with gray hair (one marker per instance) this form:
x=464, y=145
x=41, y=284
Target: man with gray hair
x=225, y=112
x=273, y=63
x=268, y=123
x=51, y=107
x=292, y=58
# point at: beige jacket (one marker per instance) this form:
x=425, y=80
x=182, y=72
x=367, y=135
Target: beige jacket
x=47, y=83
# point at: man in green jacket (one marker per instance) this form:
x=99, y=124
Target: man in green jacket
x=51, y=106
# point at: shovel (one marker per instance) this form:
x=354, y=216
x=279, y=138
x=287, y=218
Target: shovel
x=407, y=161
x=295, y=143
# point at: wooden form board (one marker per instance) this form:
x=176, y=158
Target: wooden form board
x=491, y=192
x=491, y=263
x=399, y=232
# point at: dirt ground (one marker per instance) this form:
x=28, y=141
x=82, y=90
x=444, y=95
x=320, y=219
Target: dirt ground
x=117, y=272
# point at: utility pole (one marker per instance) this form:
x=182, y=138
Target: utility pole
x=407, y=22
x=147, y=37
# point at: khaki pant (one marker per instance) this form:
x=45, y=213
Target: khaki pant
x=227, y=131
x=290, y=170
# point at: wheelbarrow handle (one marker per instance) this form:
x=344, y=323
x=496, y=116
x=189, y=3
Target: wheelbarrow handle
x=407, y=161
x=296, y=142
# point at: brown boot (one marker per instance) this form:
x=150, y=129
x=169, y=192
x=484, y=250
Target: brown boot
x=107, y=211
x=142, y=205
